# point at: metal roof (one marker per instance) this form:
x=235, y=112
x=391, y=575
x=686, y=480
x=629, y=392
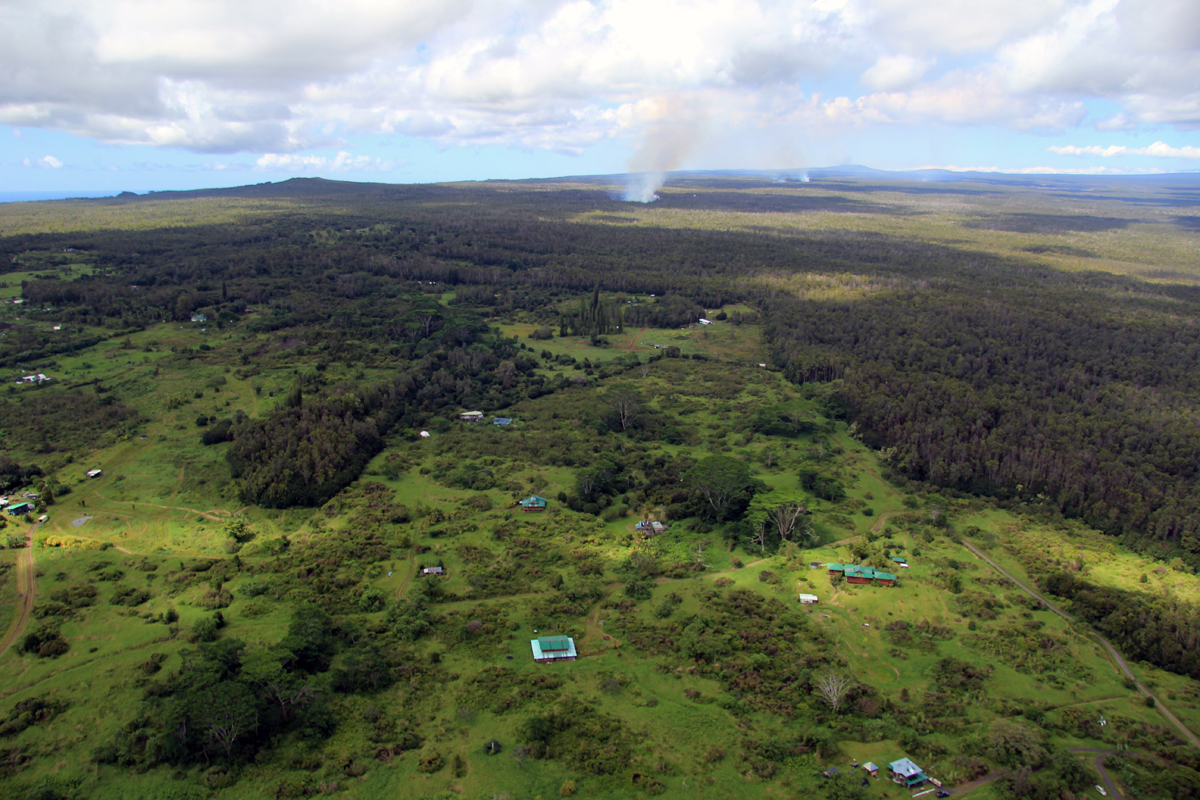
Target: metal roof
x=905, y=768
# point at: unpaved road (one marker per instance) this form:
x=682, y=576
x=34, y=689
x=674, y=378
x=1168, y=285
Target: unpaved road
x=27, y=587
x=1112, y=651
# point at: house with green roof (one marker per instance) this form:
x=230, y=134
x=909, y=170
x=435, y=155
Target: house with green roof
x=553, y=648
x=856, y=573
x=533, y=503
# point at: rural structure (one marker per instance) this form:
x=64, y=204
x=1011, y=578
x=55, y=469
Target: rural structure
x=553, y=648
x=533, y=503
x=906, y=773
x=855, y=573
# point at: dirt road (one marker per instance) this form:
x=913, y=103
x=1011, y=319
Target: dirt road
x=27, y=587
x=1112, y=651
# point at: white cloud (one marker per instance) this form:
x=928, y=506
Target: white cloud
x=342, y=162
x=45, y=162
x=1157, y=150
x=225, y=76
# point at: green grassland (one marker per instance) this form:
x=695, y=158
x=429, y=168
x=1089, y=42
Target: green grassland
x=163, y=501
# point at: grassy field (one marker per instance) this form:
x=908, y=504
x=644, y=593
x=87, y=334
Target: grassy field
x=162, y=501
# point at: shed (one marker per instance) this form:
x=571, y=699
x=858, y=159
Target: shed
x=471, y=416
x=500, y=422
x=533, y=503
x=432, y=571
x=808, y=598
x=907, y=773
x=871, y=769
x=17, y=509
x=94, y=473
x=553, y=648
x=900, y=559
x=829, y=773
x=704, y=321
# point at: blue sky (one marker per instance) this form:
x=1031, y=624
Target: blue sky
x=112, y=95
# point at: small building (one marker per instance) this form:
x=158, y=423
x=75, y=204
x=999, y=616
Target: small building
x=471, y=416
x=906, y=773
x=651, y=527
x=533, y=503
x=43, y=517
x=424, y=434
x=871, y=769
x=704, y=321
x=500, y=422
x=808, y=599
x=433, y=571
x=19, y=509
x=835, y=570
x=553, y=648
x=829, y=773
x=94, y=473
x=900, y=559
x=199, y=318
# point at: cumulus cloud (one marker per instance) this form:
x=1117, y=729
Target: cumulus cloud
x=284, y=78
x=1157, y=150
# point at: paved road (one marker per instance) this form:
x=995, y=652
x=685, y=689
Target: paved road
x=1112, y=651
x=27, y=587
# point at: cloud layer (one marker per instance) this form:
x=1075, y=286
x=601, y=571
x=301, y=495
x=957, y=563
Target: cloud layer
x=218, y=76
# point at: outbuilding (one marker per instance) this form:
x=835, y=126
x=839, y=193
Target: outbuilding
x=94, y=473
x=553, y=648
x=808, y=598
x=871, y=769
x=471, y=416
x=19, y=509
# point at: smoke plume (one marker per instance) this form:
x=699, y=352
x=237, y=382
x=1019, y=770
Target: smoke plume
x=666, y=144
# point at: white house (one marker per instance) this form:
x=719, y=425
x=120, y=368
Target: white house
x=808, y=598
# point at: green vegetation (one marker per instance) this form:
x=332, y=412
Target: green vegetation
x=299, y=572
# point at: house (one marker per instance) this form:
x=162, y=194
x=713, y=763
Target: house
x=871, y=769
x=471, y=416
x=433, y=571
x=94, y=473
x=553, y=648
x=854, y=573
x=501, y=421
x=651, y=527
x=907, y=773
x=808, y=599
x=533, y=503
x=19, y=509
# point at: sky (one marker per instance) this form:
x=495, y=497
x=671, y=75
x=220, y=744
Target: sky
x=109, y=95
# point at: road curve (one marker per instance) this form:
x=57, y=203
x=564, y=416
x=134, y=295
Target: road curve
x=27, y=587
x=1112, y=651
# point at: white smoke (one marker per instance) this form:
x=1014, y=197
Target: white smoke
x=667, y=142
